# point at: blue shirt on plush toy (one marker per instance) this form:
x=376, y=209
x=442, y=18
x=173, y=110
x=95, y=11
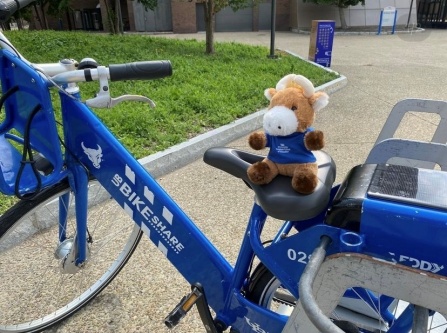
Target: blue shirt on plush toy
x=289, y=148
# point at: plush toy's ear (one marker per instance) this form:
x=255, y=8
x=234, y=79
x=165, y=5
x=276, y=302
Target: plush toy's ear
x=269, y=93
x=319, y=100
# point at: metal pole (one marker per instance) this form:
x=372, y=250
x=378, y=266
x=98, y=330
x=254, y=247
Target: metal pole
x=307, y=299
x=409, y=14
x=420, y=319
x=272, y=31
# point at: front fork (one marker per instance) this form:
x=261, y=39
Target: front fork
x=75, y=250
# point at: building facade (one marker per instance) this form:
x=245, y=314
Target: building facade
x=181, y=16
x=356, y=16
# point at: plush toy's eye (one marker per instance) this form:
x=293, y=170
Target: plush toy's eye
x=294, y=108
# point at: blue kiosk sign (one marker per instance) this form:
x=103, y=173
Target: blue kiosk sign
x=321, y=42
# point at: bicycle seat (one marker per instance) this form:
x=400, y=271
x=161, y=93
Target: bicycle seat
x=278, y=199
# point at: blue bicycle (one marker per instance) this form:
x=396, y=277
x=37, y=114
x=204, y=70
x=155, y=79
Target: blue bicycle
x=340, y=262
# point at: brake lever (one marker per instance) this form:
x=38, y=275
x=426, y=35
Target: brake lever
x=103, y=98
x=105, y=101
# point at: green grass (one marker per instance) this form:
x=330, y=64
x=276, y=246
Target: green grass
x=204, y=92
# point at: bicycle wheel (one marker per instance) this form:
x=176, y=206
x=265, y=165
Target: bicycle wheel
x=357, y=316
x=35, y=293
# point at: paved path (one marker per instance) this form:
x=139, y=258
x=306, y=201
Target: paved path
x=381, y=70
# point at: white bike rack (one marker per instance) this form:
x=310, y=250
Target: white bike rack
x=343, y=271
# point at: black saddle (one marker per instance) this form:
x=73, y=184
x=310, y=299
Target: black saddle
x=278, y=198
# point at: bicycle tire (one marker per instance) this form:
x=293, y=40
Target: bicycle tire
x=35, y=294
x=265, y=289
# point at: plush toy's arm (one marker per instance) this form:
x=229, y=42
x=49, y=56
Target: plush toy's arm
x=257, y=140
x=314, y=140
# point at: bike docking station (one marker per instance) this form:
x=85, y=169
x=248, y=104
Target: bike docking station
x=388, y=17
x=321, y=42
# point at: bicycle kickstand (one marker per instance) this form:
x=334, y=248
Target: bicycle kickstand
x=197, y=297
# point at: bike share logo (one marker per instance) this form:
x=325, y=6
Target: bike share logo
x=94, y=155
x=142, y=204
x=416, y=263
x=255, y=326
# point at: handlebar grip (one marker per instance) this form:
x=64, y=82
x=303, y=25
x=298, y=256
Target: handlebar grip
x=9, y=7
x=143, y=70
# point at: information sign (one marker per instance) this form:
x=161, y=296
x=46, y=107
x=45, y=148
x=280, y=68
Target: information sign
x=388, y=19
x=321, y=42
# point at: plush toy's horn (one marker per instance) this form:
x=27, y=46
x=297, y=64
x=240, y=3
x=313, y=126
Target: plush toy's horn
x=285, y=82
x=308, y=87
x=293, y=79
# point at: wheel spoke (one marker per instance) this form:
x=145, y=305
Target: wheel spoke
x=36, y=292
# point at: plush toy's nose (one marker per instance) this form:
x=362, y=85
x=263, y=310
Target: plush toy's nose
x=279, y=127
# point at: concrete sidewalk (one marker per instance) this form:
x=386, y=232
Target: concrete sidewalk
x=381, y=70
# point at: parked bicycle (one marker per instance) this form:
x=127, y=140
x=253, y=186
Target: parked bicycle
x=382, y=229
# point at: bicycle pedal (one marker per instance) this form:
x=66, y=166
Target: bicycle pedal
x=180, y=311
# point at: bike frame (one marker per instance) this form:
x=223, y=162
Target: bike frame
x=161, y=219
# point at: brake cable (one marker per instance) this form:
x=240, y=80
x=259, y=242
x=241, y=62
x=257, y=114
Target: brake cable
x=28, y=153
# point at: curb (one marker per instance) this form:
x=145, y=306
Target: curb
x=365, y=33
x=182, y=154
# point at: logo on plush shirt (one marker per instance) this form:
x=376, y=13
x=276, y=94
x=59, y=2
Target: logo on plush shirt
x=283, y=149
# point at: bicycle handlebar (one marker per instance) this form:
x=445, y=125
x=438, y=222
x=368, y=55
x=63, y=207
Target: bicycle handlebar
x=140, y=70
x=9, y=7
x=143, y=70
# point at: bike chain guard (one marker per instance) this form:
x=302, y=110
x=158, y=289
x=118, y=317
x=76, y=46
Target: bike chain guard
x=197, y=297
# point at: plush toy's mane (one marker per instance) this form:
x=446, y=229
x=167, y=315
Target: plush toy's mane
x=293, y=84
x=296, y=81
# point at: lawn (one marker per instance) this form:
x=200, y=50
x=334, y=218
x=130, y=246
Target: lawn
x=204, y=92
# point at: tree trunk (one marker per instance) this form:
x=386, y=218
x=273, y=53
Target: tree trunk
x=44, y=18
x=118, y=17
x=68, y=16
x=38, y=19
x=342, y=18
x=19, y=22
x=110, y=16
x=209, y=25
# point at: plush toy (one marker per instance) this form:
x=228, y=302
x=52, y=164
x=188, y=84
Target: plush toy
x=289, y=135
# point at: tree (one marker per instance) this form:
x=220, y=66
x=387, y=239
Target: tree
x=40, y=12
x=148, y=4
x=114, y=15
x=341, y=4
x=58, y=7
x=212, y=7
x=52, y=7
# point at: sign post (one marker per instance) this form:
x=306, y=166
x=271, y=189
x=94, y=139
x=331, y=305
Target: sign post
x=388, y=18
x=321, y=42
